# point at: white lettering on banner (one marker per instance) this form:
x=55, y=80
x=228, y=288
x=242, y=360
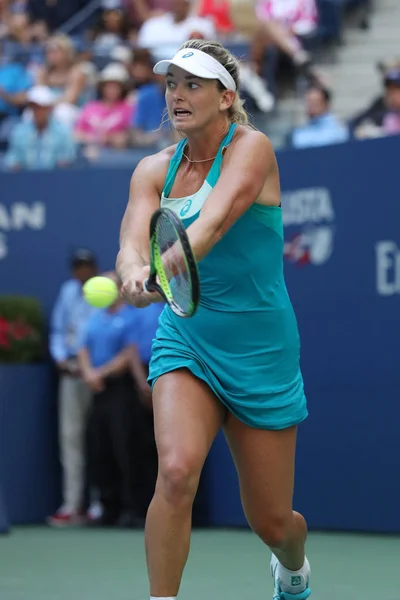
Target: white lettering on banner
x=4, y=218
x=387, y=268
x=3, y=246
x=308, y=214
x=310, y=205
x=18, y=217
x=28, y=216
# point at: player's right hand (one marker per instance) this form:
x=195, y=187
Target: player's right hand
x=132, y=285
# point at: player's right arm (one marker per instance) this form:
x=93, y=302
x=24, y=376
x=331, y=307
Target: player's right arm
x=144, y=199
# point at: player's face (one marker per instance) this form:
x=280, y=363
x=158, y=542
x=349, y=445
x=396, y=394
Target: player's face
x=194, y=102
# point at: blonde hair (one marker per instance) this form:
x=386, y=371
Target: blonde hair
x=63, y=42
x=236, y=112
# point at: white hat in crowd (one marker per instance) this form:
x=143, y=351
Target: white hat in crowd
x=114, y=72
x=122, y=54
x=41, y=95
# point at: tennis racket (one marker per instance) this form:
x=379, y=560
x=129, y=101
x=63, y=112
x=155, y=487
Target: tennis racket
x=173, y=267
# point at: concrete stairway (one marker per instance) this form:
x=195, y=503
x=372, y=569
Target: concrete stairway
x=352, y=74
x=354, y=77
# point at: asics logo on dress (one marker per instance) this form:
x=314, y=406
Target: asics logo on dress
x=296, y=580
x=185, y=208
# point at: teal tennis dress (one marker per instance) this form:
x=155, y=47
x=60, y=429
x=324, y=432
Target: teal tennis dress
x=243, y=340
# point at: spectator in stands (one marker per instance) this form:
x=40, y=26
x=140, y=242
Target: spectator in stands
x=17, y=5
x=381, y=117
x=70, y=315
x=140, y=11
x=70, y=82
x=284, y=23
x=220, y=13
x=391, y=120
x=148, y=128
x=14, y=83
x=39, y=32
x=40, y=142
x=54, y=12
x=123, y=55
x=106, y=122
x=164, y=34
x=112, y=29
x=4, y=15
x=105, y=358
x=19, y=28
x=322, y=128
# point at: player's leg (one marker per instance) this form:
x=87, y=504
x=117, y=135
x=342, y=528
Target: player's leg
x=265, y=463
x=187, y=418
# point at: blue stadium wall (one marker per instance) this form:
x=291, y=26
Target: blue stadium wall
x=341, y=210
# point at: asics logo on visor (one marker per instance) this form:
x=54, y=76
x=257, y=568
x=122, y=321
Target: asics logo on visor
x=187, y=55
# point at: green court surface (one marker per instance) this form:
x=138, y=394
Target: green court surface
x=38, y=563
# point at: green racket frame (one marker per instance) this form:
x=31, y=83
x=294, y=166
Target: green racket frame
x=157, y=268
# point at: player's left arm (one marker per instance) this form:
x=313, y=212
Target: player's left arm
x=246, y=167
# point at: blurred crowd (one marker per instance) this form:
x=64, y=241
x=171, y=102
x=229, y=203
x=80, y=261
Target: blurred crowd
x=379, y=118
x=106, y=438
x=68, y=98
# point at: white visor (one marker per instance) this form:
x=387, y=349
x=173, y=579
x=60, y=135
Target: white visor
x=197, y=63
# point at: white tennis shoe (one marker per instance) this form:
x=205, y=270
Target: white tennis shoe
x=297, y=580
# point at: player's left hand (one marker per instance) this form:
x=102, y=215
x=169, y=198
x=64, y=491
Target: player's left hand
x=151, y=297
x=132, y=288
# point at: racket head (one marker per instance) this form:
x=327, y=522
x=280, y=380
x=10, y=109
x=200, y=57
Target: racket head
x=173, y=268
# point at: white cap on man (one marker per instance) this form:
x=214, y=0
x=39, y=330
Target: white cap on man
x=197, y=63
x=41, y=95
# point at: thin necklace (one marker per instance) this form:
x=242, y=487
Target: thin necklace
x=204, y=159
x=198, y=161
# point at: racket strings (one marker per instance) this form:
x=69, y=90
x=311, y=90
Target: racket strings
x=174, y=263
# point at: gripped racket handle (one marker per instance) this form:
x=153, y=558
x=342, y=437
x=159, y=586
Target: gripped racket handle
x=149, y=285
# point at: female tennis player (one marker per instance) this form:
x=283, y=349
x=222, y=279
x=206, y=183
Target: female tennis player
x=235, y=363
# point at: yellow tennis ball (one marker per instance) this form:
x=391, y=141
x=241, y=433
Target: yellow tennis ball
x=100, y=292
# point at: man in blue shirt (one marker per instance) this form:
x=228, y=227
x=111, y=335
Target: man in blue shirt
x=70, y=314
x=147, y=324
x=106, y=359
x=323, y=127
x=40, y=142
x=15, y=81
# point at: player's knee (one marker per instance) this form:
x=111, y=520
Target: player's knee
x=178, y=479
x=273, y=531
